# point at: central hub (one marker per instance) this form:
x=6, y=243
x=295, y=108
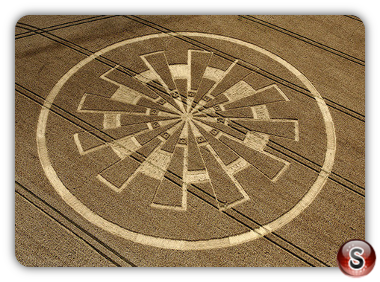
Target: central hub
x=186, y=116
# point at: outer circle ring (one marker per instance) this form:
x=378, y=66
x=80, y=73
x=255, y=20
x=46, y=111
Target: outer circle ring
x=115, y=229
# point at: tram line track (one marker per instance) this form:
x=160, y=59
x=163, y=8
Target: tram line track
x=29, y=33
x=70, y=225
x=304, y=39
